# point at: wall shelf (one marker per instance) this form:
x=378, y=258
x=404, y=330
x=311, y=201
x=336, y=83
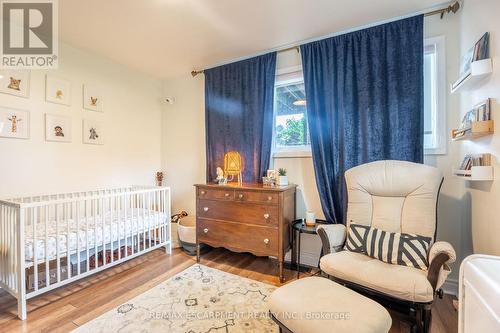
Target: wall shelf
x=479, y=70
x=478, y=129
x=477, y=173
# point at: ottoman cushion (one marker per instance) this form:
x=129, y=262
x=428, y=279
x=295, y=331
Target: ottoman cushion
x=316, y=304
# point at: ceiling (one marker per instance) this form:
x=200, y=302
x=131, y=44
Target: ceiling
x=167, y=38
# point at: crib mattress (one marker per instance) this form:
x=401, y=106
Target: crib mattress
x=95, y=232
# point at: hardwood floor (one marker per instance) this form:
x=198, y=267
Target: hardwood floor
x=66, y=308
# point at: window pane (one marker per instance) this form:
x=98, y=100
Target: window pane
x=430, y=98
x=290, y=116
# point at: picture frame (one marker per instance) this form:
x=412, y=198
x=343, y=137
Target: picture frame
x=58, y=128
x=482, y=110
x=57, y=90
x=14, y=123
x=92, y=98
x=93, y=132
x=482, y=48
x=466, y=62
x=15, y=82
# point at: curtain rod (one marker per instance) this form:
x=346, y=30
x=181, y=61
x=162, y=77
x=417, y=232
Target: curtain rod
x=452, y=8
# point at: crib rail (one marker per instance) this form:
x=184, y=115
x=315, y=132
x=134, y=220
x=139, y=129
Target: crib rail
x=47, y=241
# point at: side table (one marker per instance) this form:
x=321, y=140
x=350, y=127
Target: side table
x=299, y=227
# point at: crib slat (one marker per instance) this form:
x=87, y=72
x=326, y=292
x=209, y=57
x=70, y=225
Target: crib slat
x=87, y=235
x=33, y=212
x=119, y=225
x=58, y=252
x=77, y=207
x=94, y=216
x=46, y=253
x=103, y=223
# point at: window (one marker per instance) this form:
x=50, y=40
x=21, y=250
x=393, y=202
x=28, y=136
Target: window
x=434, y=96
x=291, y=133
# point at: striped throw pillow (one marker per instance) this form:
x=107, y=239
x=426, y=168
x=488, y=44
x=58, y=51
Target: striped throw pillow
x=393, y=248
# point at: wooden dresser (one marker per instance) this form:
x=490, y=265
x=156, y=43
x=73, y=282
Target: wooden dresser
x=247, y=218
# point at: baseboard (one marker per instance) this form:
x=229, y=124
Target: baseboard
x=450, y=287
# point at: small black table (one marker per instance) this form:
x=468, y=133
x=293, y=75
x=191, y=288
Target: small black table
x=300, y=227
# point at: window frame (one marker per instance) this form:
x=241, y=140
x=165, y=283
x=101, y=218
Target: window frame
x=441, y=95
x=285, y=76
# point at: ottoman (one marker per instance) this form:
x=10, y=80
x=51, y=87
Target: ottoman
x=319, y=305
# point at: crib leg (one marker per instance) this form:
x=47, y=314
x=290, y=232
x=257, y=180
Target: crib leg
x=21, y=307
x=168, y=248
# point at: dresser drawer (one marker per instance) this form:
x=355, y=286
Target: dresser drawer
x=258, y=197
x=216, y=194
x=238, y=211
x=259, y=240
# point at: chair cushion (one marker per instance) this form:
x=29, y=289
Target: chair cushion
x=317, y=304
x=394, y=196
x=402, y=282
x=390, y=247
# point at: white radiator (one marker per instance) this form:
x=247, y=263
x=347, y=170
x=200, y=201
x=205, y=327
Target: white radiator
x=479, y=295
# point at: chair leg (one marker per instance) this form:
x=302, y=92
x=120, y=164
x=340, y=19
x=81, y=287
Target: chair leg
x=419, y=320
x=427, y=318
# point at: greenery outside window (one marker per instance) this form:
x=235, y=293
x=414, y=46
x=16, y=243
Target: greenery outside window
x=291, y=133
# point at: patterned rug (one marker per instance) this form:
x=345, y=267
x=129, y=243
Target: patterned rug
x=197, y=300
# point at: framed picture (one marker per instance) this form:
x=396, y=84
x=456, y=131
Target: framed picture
x=483, y=110
x=92, y=98
x=57, y=90
x=92, y=132
x=15, y=82
x=467, y=120
x=466, y=61
x=14, y=123
x=57, y=128
x=482, y=48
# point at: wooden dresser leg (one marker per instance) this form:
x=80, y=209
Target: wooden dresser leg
x=282, y=278
x=198, y=253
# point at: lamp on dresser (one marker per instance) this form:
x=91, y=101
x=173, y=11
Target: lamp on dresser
x=245, y=218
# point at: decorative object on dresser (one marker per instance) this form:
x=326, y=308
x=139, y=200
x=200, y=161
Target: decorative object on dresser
x=232, y=166
x=248, y=218
x=282, y=177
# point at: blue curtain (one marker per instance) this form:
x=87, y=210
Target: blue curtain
x=239, y=114
x=365, y=96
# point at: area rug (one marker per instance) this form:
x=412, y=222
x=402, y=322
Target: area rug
x=197, y=300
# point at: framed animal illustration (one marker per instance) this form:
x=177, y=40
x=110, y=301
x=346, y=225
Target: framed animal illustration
x=93, y=132
x=57, y=128
x=57, y=90
x=15, y=82
x=92, y=98
x=14, y=123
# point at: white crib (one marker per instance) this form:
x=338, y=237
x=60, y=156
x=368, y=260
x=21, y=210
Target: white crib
x=48, y=241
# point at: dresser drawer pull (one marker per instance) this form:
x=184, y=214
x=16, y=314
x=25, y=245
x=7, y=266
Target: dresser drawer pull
x=202, y=192
x=269, y=198
x=205, y=230
x=205, y=209
x=226, y=195
x=266, y=216
x=266, y=241
x=240, y=196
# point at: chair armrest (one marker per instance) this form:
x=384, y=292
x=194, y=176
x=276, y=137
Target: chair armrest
x=332, y=236
x=441, y=254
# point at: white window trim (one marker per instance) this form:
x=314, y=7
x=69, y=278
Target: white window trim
x=296, y=151
x=442, y=93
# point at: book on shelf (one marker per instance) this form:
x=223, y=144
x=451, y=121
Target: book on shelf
x=471, y=160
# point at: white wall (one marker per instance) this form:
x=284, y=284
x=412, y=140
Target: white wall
x=183, y=140
x=132, y=113
x=477, y=18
